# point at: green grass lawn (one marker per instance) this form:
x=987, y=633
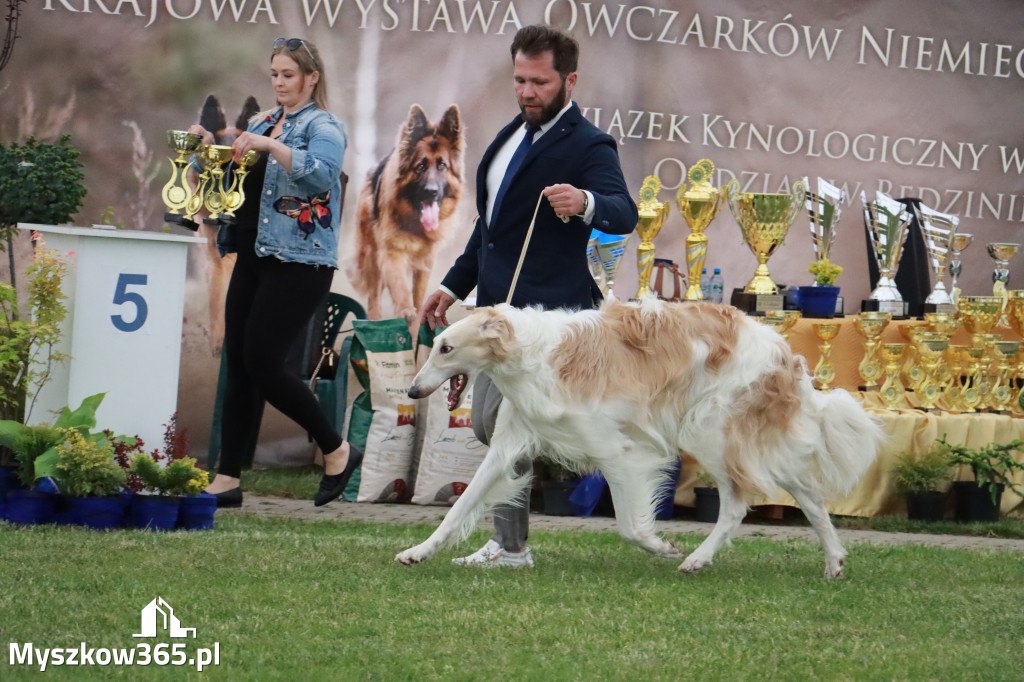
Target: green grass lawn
x=294, y=600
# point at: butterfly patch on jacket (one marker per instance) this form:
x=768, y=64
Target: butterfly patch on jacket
x=309, y=212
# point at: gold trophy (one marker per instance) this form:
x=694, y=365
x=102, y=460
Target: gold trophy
x=892, y=391
x=652, y=217
x=1004, y=391
x=234, y=196
x=961, y=240
x=928, y=392
x=957, y=381
x=871, y=325
x=971, y=395
x=1015, y=315
x=945, y=324
x=824, y=209
x=886, y=222
x=764, y=220
x=825, y=370
x=699, y=205
x=213, y=158
x=782, y=321
x=1003, y=254
x=939, y=230
x=177, y=193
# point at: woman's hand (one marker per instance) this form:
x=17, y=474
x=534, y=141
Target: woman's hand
x=202, y=132
x=247, y=142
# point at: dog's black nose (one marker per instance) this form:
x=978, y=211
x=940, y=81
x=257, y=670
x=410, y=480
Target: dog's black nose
x=414, y=392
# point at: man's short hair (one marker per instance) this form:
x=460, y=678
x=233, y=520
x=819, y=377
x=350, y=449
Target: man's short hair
x=539, y=38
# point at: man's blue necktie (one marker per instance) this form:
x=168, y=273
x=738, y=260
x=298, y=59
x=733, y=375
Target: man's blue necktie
x=513, y=165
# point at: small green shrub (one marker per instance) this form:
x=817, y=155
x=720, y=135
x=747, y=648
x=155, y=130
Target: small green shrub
x=87, y=466
x=917, y=473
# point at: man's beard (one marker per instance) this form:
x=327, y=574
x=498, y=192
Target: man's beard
x=549, y=111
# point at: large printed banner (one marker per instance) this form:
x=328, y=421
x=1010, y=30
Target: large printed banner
x=918, y=98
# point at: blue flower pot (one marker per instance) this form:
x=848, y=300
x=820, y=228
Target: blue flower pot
x=101, y=513
x=156, y=512
x=29, y=507
x=197, y=511
x=9, y=481
x=818, y=301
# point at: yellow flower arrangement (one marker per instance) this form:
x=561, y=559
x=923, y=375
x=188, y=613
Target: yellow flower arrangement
x=825, y=273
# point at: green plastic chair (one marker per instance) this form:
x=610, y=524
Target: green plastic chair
x=322, y=333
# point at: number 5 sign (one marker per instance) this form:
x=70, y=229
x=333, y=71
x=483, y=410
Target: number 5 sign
x=125, y=294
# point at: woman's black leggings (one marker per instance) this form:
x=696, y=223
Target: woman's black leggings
x=269, y=304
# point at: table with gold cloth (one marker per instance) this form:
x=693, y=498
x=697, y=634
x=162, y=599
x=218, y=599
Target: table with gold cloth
x=909, y=430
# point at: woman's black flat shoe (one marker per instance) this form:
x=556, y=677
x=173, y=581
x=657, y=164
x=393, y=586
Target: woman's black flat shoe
x=331, y=487
x=229, y=498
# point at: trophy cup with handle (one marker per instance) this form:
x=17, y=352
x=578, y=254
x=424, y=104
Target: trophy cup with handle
x=1003, y=254
x=939, y=230
x=886, y=222
x=652, y=217
x=699, y=204
x=764, y=221
x=177, y=193
x=605, y=252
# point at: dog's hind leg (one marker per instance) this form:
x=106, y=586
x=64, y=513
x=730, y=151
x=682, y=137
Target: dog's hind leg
x=814, y=509
x=731, y=511
x=491, y=481
x=633, y=485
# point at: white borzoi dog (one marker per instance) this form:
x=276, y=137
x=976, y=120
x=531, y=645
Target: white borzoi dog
x=625, y=388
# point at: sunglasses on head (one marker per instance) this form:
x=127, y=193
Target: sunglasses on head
x=293, y=44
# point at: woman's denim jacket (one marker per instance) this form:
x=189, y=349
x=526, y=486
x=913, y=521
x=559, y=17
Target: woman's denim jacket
x=317, y=140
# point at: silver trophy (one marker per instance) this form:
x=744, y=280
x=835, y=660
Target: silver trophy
x=938, y=230
x=604, y=253
x=886, y=221
x=824, y=209
x=961, y=240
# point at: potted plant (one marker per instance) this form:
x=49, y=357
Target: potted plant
x=819, y=300
x=166, y=485
x=706, y=497
x=993, y=466
x=24, y=503
x=922, y=479
x=91, y=477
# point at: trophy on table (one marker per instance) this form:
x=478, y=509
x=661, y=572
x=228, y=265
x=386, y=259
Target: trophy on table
x=1004, y=390
x=825, y=370
x=930, y=351
x=604, y=252
x=782, y=321
x=939, y=230
x=1015, y=315
x=652, y=217
x=699, y=204
x=824, y=209
x=892, y=391
x=871, y=368
x=1003, y=254
x=178, y=193
x=764, y=221
x=886, y=222
x=961, y=240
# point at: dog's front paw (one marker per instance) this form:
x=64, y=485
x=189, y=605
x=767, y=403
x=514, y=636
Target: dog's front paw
x=834, y=569
x=694, y=563
x=413, y=555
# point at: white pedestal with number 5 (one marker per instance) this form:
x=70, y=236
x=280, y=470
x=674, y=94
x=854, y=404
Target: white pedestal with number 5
x=125, y=298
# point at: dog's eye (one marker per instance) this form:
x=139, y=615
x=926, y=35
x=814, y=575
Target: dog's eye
x=445, y=349
x=441, y=165
x=421, y=167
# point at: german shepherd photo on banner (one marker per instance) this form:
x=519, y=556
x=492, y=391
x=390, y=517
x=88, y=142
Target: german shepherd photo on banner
x=405, y=210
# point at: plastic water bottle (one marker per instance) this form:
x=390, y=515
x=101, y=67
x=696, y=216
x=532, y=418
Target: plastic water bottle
x=715, y=285
x=705, y=285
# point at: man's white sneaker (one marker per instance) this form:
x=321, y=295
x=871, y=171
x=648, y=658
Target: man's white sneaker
x=492, y=554
x=481, y=556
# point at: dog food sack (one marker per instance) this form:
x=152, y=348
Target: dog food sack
x=382, y=356
x=450, y=453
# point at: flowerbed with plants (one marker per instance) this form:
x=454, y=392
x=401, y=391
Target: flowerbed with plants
x=67, y=472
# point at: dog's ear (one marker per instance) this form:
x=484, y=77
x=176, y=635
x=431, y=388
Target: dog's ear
x=450, y=127
x=415, y=128
x=495, y=326
x=249, y=109
x=211, y=117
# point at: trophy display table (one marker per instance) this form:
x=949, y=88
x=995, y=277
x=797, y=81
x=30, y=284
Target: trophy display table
x=910, y=430
x=125, y=294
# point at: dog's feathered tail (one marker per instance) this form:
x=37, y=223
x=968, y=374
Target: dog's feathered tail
x=852, y=438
